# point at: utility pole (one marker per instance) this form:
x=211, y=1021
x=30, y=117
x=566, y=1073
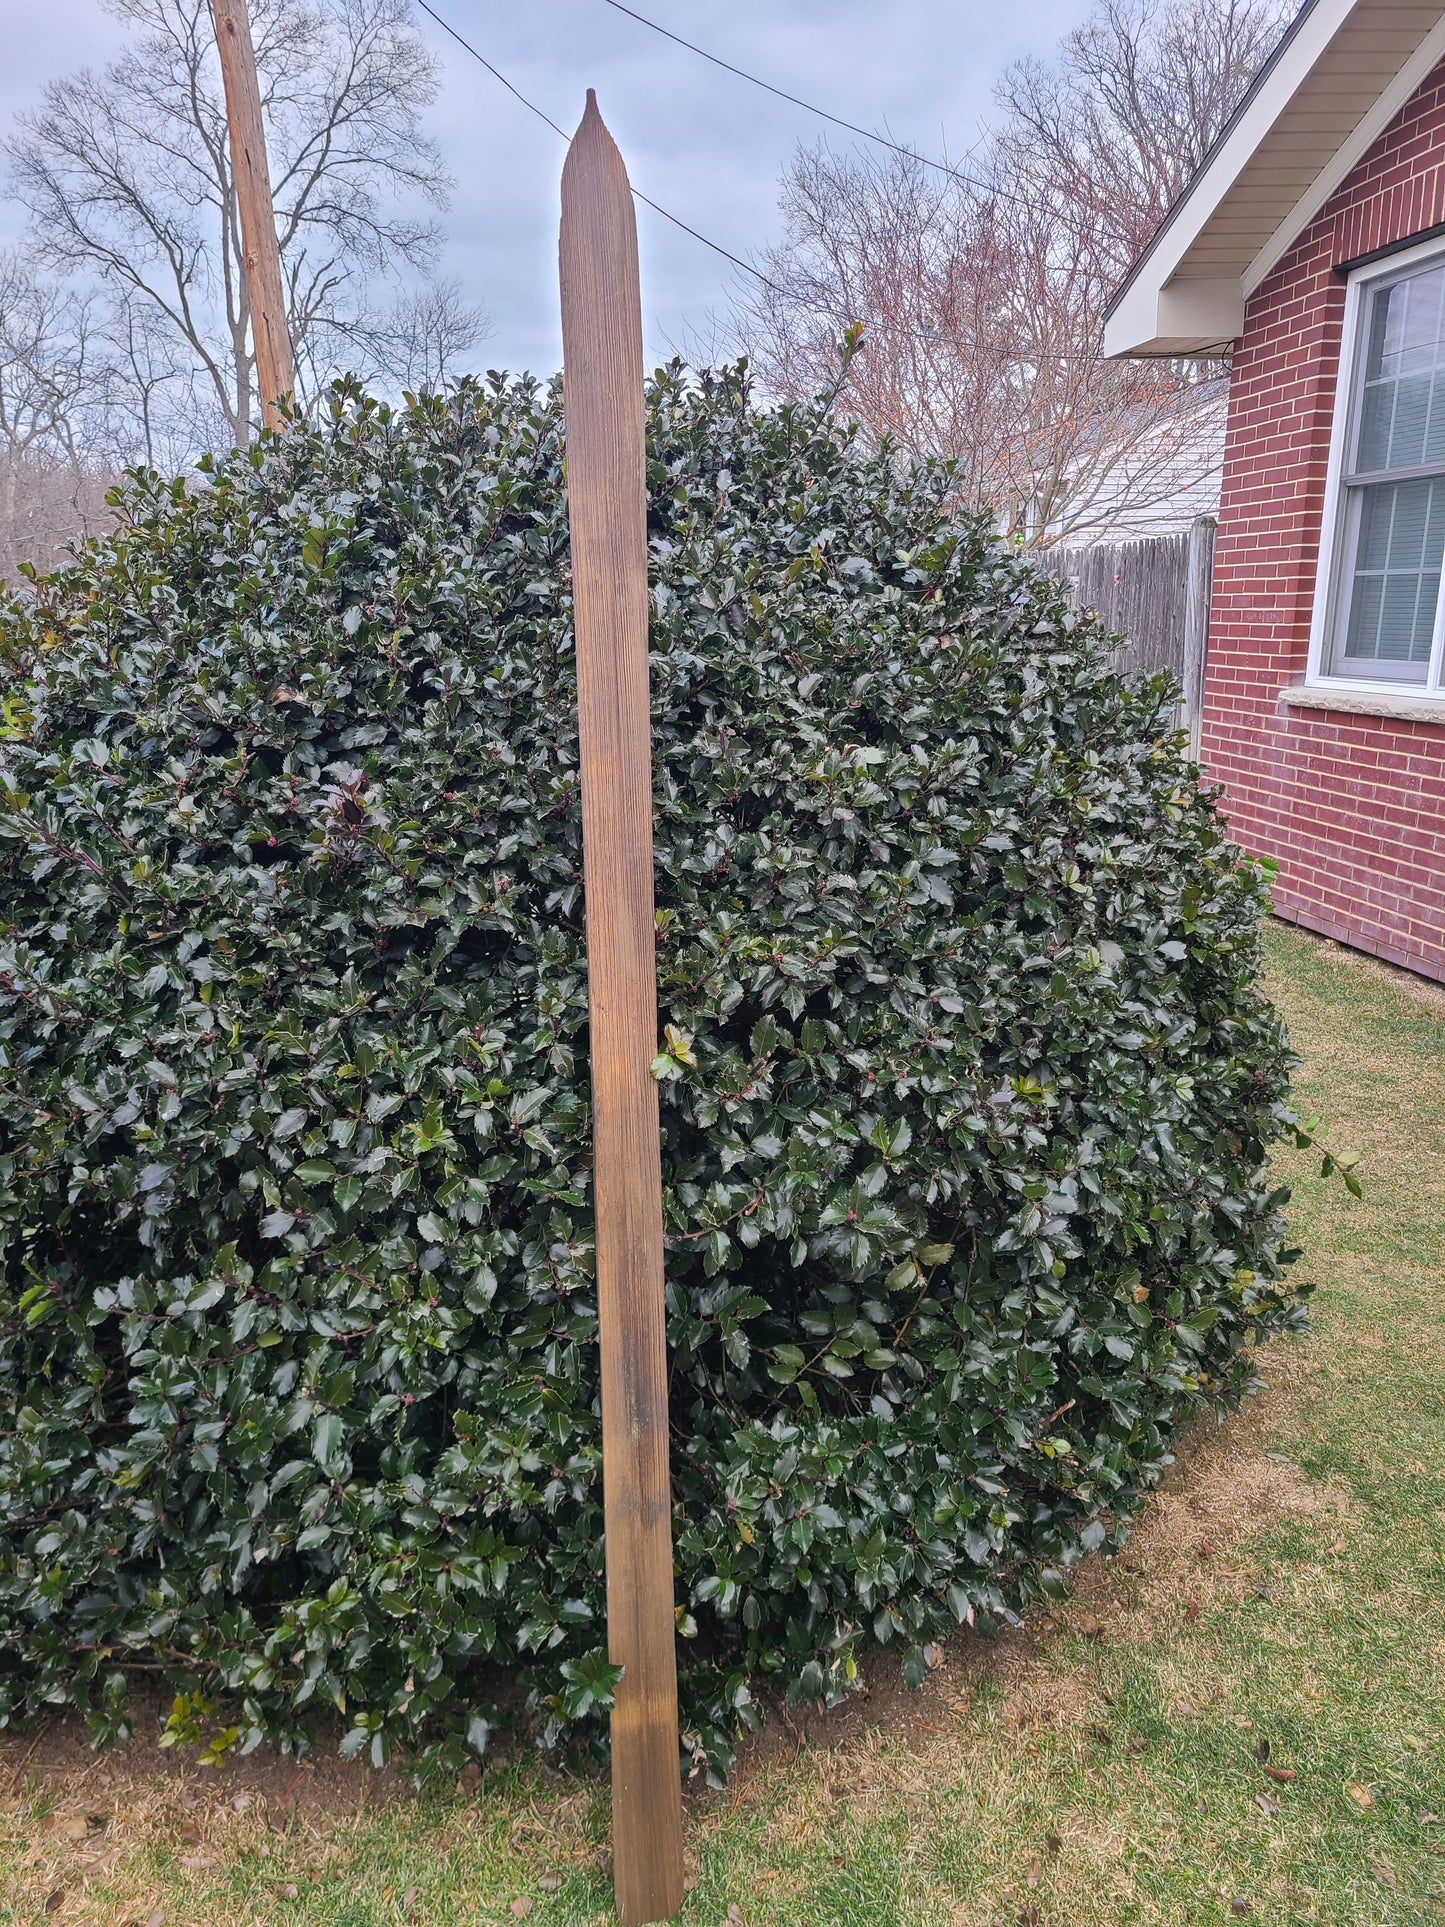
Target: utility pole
x=275, y=375
x=607, y=508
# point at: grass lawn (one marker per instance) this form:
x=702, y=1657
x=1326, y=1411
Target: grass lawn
x=1285, y=1592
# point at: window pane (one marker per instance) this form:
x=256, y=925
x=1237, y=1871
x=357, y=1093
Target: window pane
x=1402, y=409
x=1394, y=579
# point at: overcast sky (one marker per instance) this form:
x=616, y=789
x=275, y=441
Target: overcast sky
x=705, y=145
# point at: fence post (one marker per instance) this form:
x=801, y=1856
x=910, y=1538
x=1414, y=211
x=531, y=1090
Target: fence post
x=607, y=510
x=1196, y=623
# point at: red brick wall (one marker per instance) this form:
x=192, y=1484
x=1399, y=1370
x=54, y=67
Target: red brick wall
x=1351, y=807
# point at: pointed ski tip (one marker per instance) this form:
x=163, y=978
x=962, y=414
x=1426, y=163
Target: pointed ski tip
x=592, y=107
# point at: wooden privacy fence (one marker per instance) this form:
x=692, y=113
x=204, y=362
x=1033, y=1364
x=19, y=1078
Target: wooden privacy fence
x=1152, y=591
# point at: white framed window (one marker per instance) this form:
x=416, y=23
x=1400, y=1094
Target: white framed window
x=1379, y=619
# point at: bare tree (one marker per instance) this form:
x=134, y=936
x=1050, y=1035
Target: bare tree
x=1111, y=131
x=981, y=292
x=127, y=176
x=899, y=250
x=421, y=342
x=48, y=373
x=47, y=502
x=56, y=449
x=158, y=409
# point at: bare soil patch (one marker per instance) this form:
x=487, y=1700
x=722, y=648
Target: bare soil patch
x=1181, y=1555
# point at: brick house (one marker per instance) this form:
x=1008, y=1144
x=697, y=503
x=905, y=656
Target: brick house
x=1311, y=246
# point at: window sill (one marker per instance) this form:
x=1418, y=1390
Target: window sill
x=1365, y=702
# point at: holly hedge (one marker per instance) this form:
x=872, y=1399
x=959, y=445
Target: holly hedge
x=967, y=1081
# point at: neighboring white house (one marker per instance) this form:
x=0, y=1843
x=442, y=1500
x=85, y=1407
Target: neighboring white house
x=1162, y=479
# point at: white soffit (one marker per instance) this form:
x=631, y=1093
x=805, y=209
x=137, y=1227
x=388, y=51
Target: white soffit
x=1343, y=71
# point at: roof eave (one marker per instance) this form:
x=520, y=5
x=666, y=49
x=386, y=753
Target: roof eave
x=1219, y=151
x=1198, y=319
x=1176, y=300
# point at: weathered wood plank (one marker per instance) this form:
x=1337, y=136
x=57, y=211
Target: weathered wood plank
x=606, y=488
x=1152, y=592
x=1198, y=590
x=1138, y=589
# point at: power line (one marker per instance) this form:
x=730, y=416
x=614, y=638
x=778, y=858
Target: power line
x=656, y=207
x=991, y=188
x=773, y=287
x=496, y=74
x=797, y=101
